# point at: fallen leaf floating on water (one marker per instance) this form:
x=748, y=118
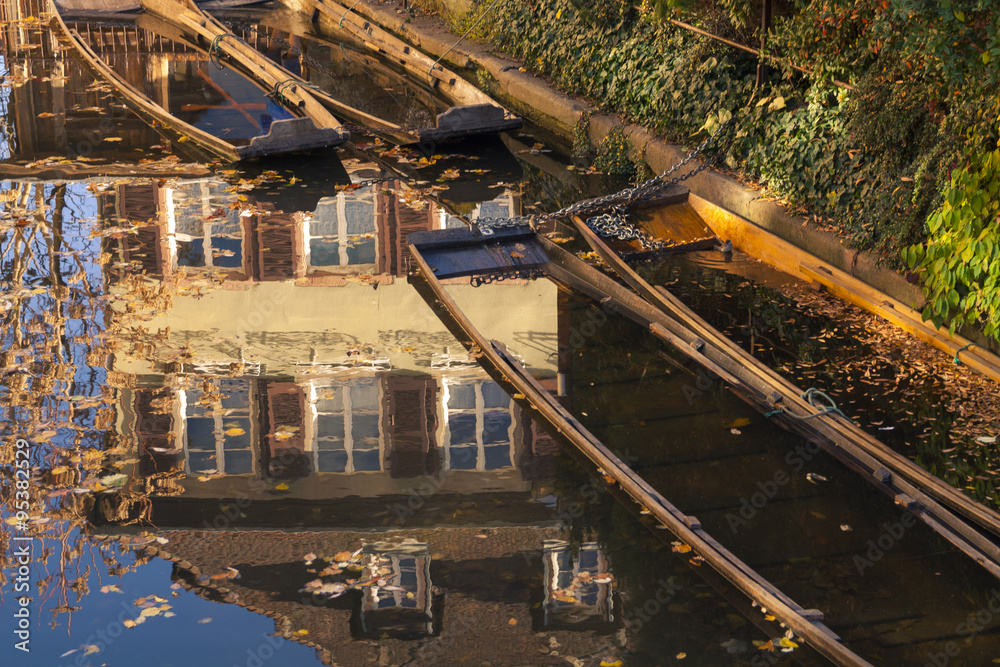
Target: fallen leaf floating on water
x=281, y=487
x=111, y=588
x=206, y=620
x=788, y=644
x=681, y=548
x=309, y=558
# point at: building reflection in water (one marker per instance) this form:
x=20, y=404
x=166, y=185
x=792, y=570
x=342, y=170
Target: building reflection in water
x=349, y=412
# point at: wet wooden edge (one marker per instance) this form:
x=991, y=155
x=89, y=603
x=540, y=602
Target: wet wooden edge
x=805, y=623
x=136, y=100
x=922, y=493
x=762, y=244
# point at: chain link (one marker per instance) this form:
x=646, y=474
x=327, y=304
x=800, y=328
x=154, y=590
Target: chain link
x=616, y=225
x=623, y=198
x=500, y=276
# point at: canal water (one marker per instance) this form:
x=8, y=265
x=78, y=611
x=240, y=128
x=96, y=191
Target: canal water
x=251, y=440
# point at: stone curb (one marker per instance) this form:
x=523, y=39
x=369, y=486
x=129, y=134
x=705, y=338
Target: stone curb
x=535, y=99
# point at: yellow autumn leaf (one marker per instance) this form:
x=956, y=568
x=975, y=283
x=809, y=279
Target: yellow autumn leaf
x=150, y=611
x=301, y=633
x=282, y=487
x=681, y=548
x=236, y=430
x=787, y=643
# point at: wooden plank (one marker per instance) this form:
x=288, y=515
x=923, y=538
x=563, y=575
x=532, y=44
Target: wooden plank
x=818, y=636
x=136, y=100
x=777, y=252
x=474, y=111
x=839, y=436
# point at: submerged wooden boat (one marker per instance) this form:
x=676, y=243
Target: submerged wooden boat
x=462, y=252
x=301, y=133
x=969, y=526
x=473, y=112
x=776, y=396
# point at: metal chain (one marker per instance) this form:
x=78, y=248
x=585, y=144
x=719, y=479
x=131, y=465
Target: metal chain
x=623, y=198
x=500, y=276
x=615, y=225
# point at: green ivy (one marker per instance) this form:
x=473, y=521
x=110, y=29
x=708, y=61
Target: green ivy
x=613, y=155
x=960, y=263
x=872, y=162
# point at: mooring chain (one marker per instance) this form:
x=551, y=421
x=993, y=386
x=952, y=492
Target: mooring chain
x=623, y=198
x=500, y=276
x=371, y=181
x=615, y=225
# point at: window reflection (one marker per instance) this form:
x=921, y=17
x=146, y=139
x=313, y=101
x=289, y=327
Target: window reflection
x=399, y=603
x=346, y=426
x=343, y=232
x=479, y=425
x=578, y=587
x=217, y=427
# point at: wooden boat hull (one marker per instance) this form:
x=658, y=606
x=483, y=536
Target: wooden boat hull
x=438, y=256
x=198, y=28
x=938, y=504
x=474, y=112
x=762, y=244
x=284, y=136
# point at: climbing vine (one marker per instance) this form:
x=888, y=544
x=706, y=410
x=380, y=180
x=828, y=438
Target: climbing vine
x=873, y=162
x=960, y=262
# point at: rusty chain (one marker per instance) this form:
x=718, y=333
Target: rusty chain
x=623, y=198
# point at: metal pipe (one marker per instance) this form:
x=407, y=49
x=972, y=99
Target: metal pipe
x=743, y=47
